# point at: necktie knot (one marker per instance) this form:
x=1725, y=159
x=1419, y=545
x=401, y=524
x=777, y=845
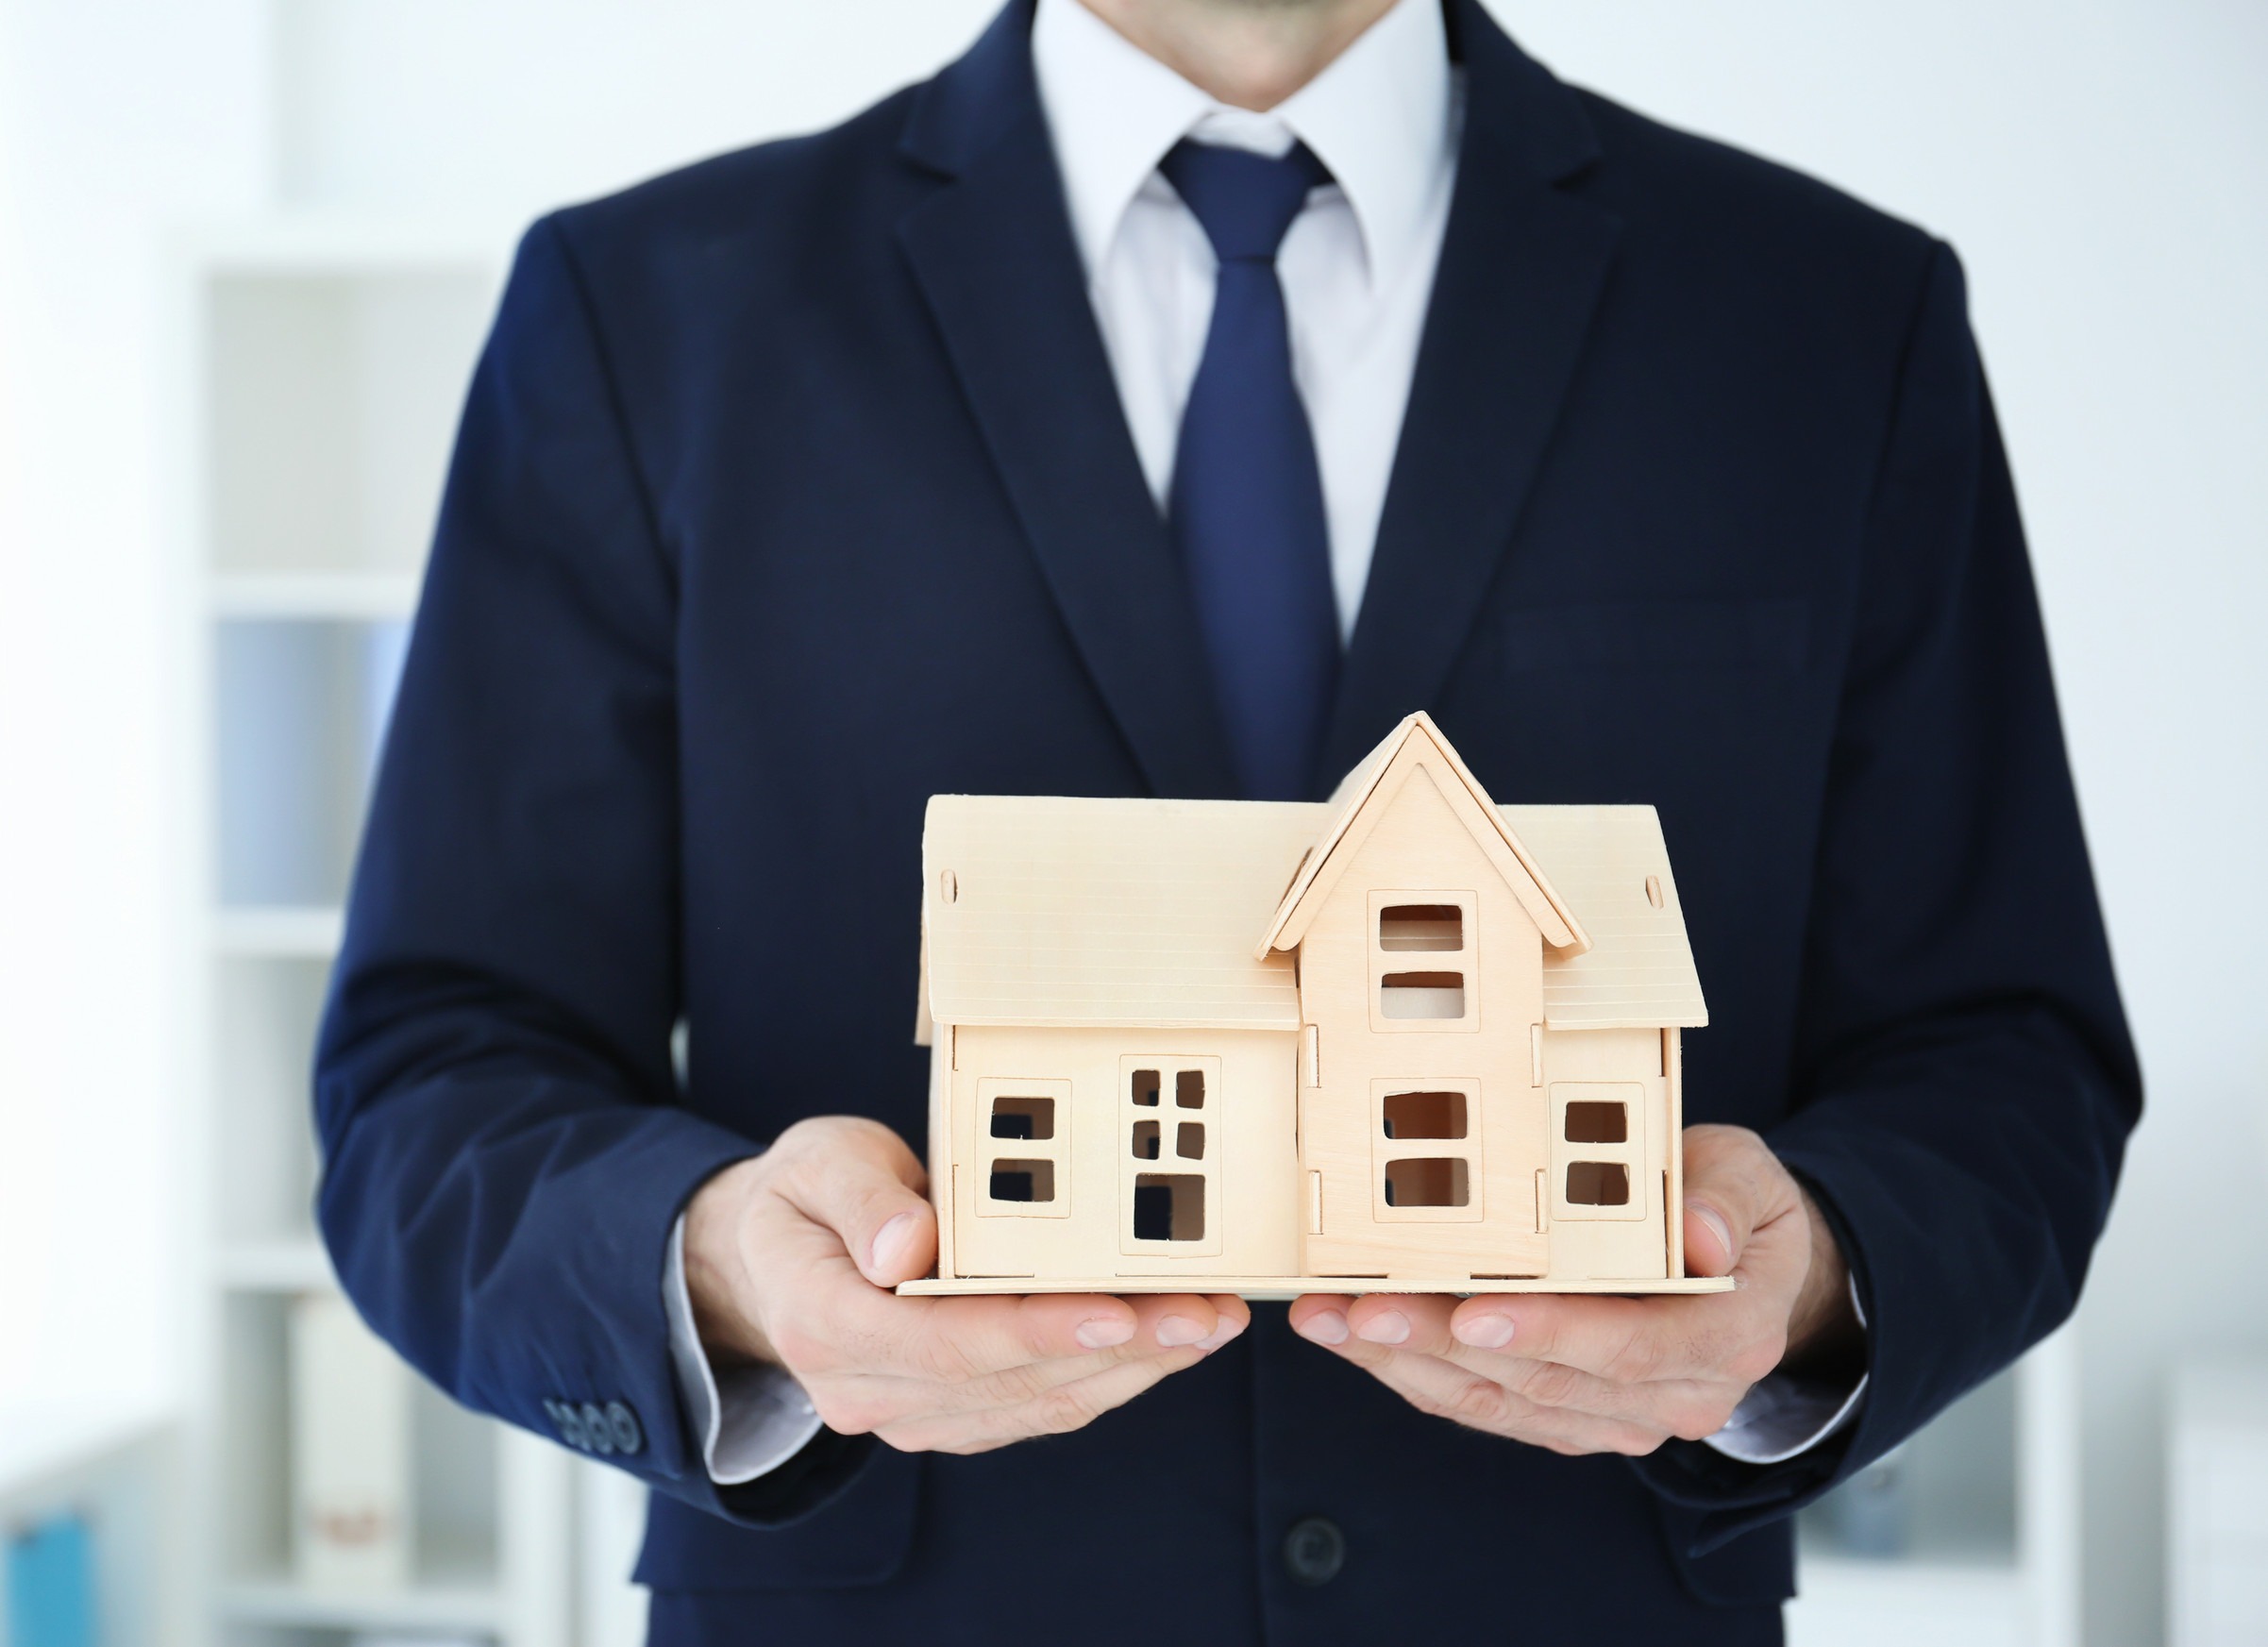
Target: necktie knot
x=1245, y=202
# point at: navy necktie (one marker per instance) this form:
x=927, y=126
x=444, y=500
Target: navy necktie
x=1247, y=504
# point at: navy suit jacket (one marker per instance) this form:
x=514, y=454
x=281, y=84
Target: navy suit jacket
x=793, y=489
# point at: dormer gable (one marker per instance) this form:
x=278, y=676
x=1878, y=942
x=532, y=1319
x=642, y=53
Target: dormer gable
x=1370, y=791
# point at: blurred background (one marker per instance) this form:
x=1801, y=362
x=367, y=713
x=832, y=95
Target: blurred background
x=247, y=252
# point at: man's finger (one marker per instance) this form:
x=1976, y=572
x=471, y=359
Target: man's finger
x=1062, y=1407
x=955, y=1340
x=1322, y=1317
x=877, y=1400
x=1624, y=1340
x=1446, y=1390
x=1407, y=1320
x=1420, y=1325
x=1171, y=1320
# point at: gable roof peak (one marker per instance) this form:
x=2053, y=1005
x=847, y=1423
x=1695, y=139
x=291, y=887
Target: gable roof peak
x=1365, y=793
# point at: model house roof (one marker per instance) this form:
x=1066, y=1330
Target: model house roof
x=1611, y=865
x=1048, y=912
x=1369, y=790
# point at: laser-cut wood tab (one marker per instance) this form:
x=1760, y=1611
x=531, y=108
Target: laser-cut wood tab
x=1406, y=1038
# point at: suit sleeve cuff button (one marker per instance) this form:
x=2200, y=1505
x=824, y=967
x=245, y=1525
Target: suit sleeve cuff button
x=622, y=1429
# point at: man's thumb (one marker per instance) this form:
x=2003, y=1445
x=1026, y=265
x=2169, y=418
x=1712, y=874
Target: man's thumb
x=1709, y=1248
x=1721, y=1196
x=865, y=1186
x=902, y=1249
x=874, y=1204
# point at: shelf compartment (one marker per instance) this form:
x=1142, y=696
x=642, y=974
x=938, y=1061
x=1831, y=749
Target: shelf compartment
x=473, y=1606
x=1842, y=1602
x=1956, y=1495
x=266, y=1011
x=381, y=596
x=275, y=1265
x=301, y=710
x=282, y=932
x=332, y=399
x=454, y=1474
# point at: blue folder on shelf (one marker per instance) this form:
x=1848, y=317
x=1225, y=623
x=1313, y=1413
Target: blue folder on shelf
x=50, y=1584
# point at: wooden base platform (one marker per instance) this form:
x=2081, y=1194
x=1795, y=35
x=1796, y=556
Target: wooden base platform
x=1288, y=1286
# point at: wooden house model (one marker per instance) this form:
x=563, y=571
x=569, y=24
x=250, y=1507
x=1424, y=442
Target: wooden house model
x=1402, y=1040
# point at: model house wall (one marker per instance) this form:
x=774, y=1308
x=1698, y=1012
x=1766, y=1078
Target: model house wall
x=1424, y=1131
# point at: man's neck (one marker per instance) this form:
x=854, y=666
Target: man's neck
x=1251, y=53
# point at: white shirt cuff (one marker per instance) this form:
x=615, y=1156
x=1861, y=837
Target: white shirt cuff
x=1781, y=1417
x=752, y=1418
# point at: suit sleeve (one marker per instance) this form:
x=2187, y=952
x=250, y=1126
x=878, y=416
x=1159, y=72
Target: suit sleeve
x=504, y=1153
x=1963, y=1080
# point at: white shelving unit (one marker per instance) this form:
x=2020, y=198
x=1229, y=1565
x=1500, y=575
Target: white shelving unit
x=1988, y=1550
x=321, y=368
x=2217, y=1504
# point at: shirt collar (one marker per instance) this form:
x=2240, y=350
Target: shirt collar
x=1382, y=117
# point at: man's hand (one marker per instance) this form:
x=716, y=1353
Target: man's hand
x=1601, y=1374
x=789, y=1256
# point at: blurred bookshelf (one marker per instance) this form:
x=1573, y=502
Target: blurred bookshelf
x=322, y=366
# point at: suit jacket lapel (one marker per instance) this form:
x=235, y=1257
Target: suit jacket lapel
x=993, y=253
x=1520, y=272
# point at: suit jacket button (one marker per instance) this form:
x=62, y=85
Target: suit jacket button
x=568, y=1424
x=622, y=1427
x=597, y=1436
x=1313, y=1551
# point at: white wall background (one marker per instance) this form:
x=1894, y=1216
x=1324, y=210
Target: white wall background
x=2102, y=165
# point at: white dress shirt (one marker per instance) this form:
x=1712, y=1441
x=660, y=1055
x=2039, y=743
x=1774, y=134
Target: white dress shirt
x=1358, y=270
x=1356, y=266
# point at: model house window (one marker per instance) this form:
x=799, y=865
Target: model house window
x=1016, y=1180
x=1599, y=1166
x=1023, y=1118
x=1170, y=1187
x=1421, y=949
x=1420, y=926
x=1597, y=1123
x=1424, y=1114
x=1024, y=1127
x=1598, y=1184
x=1422, y=994
x=1429, y=1181
x=1169, y=1206
x=1426, y=1150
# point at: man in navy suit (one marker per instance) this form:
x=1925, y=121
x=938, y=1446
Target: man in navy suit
x=1165, y=399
